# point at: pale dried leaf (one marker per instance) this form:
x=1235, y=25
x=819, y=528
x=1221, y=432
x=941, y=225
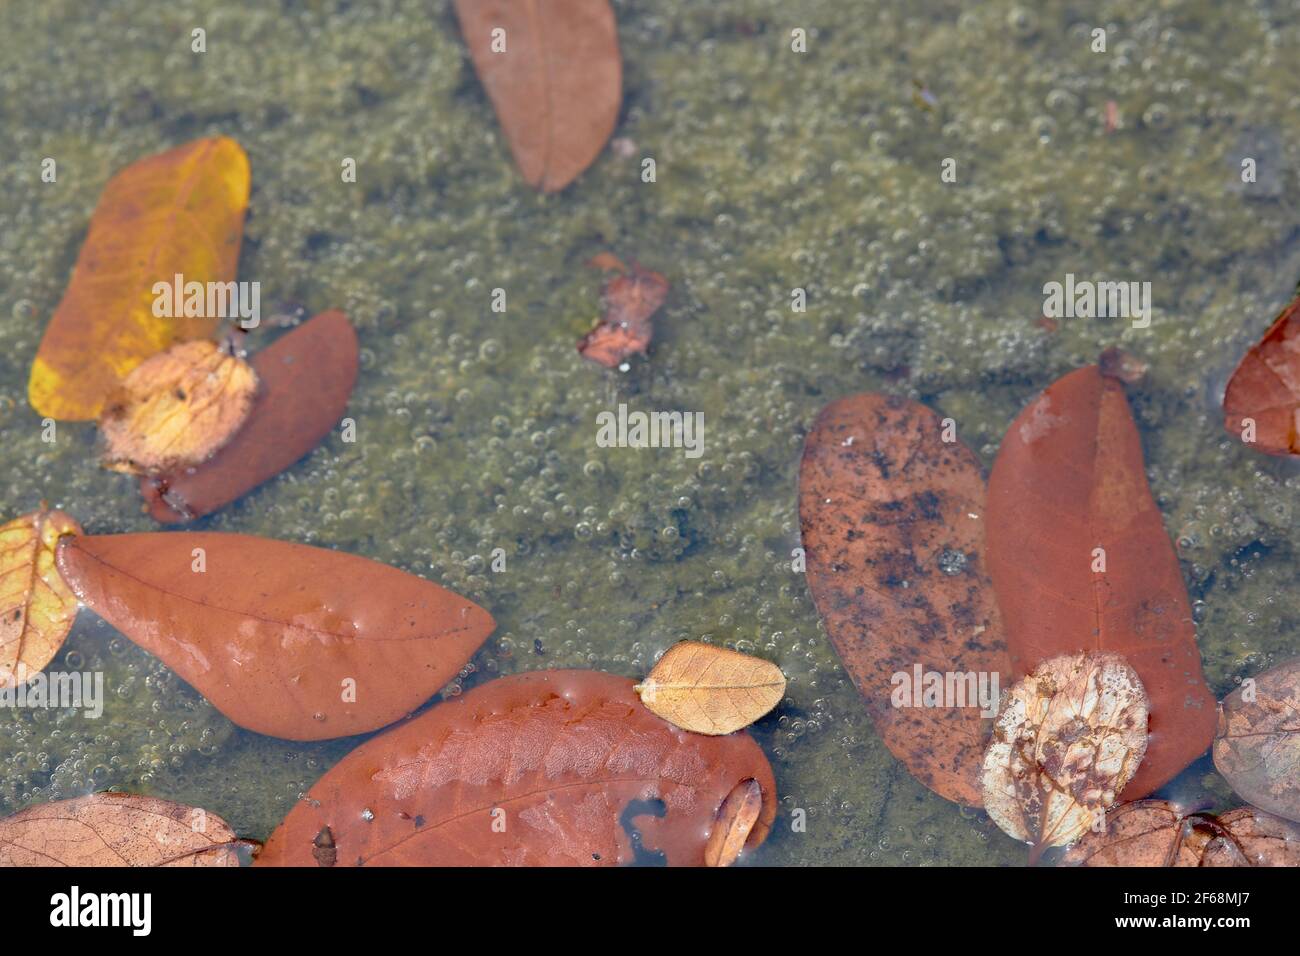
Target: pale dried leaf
x=177, y=408
x=36, y=607
x=1257, y=745
x=736, y=818
x=1069, y=737
x=711, y=690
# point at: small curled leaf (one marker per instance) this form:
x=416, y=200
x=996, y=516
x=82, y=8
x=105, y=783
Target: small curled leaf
x=711, y=690
x=736, y=818
x=628, y=305
x=37, y=607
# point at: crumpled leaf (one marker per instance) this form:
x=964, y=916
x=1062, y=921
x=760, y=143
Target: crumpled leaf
x=1068, y=497
x=629, y=302
x=1265, y=388
x=736, y=818
x=892, y=518
x=1158, y=833
x=284, y=639
x=711, y=690
x=117, y=829
x=177, y=408
x=178, y=212
x=557, y=85
x=551, y=768
x=37, y=607
x=1068, y=739
x=306, y=378
x=1257, y=746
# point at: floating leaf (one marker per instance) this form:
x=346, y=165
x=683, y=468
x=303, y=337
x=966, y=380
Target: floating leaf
x=892, y=520
x=306, y=379
x=711, y=690
x=553, y=72
x=36, y=607
x=546, y=768
x=1265, y=389
x=284, y=639
x=1080, y=561
x=117, y=829
x=177, y=408
x=629, y=302
x=1257, y=746
x=1069, y=737
x=178, y=212
x=736, y=819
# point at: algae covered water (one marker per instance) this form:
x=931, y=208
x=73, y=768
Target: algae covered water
x=778, y=173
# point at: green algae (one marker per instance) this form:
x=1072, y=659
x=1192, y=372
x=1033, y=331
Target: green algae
x=775, y=170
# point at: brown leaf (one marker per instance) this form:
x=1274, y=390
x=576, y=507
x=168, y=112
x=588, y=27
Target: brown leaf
x=736, y=818
x=117, y=829
x=306, y=379
x=711, y=690
x=284, y=639
x=552, y=768
x=1157, y=833
x=1069, y=737
x=892, y=521
x=178, y=212
x=628, y=305
x=1264, y=391
x=1250, y=837
x=37, y=607
x=1068, y=497
x=556, y=86
x=177, y=408
x=1257, y=746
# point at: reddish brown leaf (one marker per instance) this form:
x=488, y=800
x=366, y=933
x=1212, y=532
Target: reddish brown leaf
x=892, y=520
x=307, y=377
x=538, y=769
x=117, y=829
x=283, y=639
x=627, y=307
x=1257, y=746
x=1158, y=833
x=1069, y=479
x=1263, y=394
x=1250, y=837
x=556, y=86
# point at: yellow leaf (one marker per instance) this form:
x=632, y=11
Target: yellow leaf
x=177, y=409
x=736, y=817
x=711, y=690
x=1068, y=739
x=178, y=212
x=36, y=606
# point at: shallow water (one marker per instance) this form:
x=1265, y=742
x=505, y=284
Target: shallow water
x=775, y=171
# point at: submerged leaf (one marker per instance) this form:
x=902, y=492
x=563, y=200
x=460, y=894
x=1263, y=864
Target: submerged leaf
x=892, y=517
x=1261, y=405
x=177, y=408
x=37, y=607
x=552, y=768
x=1081, y=561
x=555, y=77
x=711, y=690
x=736, y=819
x=284, y=639
x=117, y=829
x=1257, y=747
x=1069, y=737
x=630, y=301
x=1250, y=837
x=175, y=213
x=306, y=379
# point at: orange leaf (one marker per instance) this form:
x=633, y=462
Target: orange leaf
x=628, y=304
x=1265, y=389
x=178, y=212
x=736, y=819
x=553, y=72
x=37, y=607
x=1068, y=497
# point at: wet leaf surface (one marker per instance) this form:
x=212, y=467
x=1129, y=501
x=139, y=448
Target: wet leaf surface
x=37, y=607
x=1069, y=737
x=177, y=408
x=1257, y=745
x=892, y=518
x=628, y=306
x=545, y=768
x=736, y=818
x=117, y=829
x=1067, y=495
x=555, y=80
x=284, y=639
x=306, y=379
x=177, y=212
x=711, y=690
x=1265, y=388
